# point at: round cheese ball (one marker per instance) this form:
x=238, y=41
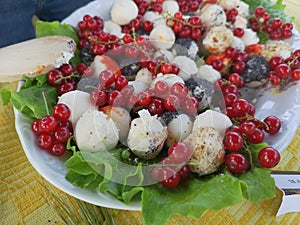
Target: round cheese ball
x=207, y=150
x=162, y=37
x=123, y=11
x=217, y=39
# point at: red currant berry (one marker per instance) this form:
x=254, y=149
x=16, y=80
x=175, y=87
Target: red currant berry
x=259, y=11
x=179, y=89
x=54, y=77
x=236, y=163
x=98, y=97
x=62, y=134
x=121, y=82
x=171, y=179
x=144, y=98
x=61, y=112
x=107, y=78
x=272, y=124
x=45, y=141
x=256, y=137
x=179, y=153
x=171, y=103
x=58, y=149
x=67, y=87
x=190, y=105
x=156, y=107
x=295, y=75
x=115, y=98
x=48, y=124
x=184, y=172
x=275, y=61
x=67, y=69
x=238, y=32
x=283, y=71
x=161, y=88
x=35, y=127
x=233, y=141
x=268, y=157
x=247, y=127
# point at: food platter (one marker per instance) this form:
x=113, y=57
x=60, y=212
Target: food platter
x=284, y=103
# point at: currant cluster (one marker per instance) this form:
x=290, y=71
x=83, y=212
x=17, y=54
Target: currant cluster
x=284, y=69
x=186, y=28
x=247, y=130
x=66, y=77
x=53, y=131
x=231, y=60
x=231, y=15
x=186, y=6
x=159, y=65
x=116, y=91
x=144, y=6
x=275, y=28
x=174, y=168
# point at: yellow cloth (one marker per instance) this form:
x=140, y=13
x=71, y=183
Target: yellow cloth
x=26, y=198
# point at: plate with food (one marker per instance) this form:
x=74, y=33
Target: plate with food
x=164, y=104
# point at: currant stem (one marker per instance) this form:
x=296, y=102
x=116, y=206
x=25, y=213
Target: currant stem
x=247, y=149
x=45, y=101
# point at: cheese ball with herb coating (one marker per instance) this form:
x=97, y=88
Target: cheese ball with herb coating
x=256, y=72
x=207, y=150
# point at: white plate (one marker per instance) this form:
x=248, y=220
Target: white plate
x=285, y=105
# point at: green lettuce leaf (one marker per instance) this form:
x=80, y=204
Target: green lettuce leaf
x=43, y=29
x=192, y=198
x=260, y=185
x=86, y=168
x=34, y=99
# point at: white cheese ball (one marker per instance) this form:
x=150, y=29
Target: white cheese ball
x=113, y=28
x=212, y=15
x=170, y=7
x=170, y=79
x=276, y=48
x=146, y=135
x=238, y=44
x=155, y=18
x=250, y=37
x=240, y=22
x=243, y=9
x=123, y=11
x=228, y=4
x=162, y=37
x=188, y=67
x=122, y=119
x=144, y=75
x=95, y=131
x=207, y=72
x=211, y=118
x=207, y=150
x=78, y=102
x=179, y=128
x=217, y=39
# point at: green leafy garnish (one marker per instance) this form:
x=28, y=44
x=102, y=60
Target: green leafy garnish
x=29, y=100
x=55, y=28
